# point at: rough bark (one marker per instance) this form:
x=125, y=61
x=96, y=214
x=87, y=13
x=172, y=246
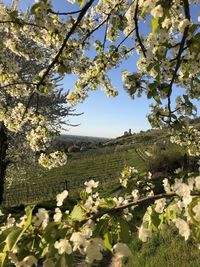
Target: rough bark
x=3, y=163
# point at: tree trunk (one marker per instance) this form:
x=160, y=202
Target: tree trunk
x=3, y=163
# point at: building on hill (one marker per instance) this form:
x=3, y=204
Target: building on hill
x=128, y=133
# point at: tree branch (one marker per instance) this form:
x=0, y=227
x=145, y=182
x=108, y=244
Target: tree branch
x=17, y=83
x=56, y=58
x=137, y=30
x=95, y=29
x=63, y=13
x=22, y=22
x=178, y=58
x=135, y=203
x=105, y=36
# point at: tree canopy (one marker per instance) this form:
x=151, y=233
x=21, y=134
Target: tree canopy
x=39, y=47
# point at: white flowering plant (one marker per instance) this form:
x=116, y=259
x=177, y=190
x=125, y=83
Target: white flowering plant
x=96, y=225
x=165, y=37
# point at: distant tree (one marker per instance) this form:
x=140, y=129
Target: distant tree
x=19, y=69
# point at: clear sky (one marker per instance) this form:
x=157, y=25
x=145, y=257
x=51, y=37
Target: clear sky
x=103, y=116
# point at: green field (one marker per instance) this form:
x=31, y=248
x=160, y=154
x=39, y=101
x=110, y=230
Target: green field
x=101, y=164
x=34, y=184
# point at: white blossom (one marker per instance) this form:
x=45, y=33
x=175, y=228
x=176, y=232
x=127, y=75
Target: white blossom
x=144, y=233
x=183, y=190
x=53, y=160
x=121, y=250
x=58, y=215
x=166, y=23
x=166, y=185
x=184, y=23
x=42, y=217
x=61, y=197
x=79, y=241
x=72, y=1
x=93, y=250
x=29, y=261
x=157, y=11
x=90, y=185
x=160, y=205
x=183, y=228
x=135, y=194
x=127, y=174
x=63, y=246
x=197, y=182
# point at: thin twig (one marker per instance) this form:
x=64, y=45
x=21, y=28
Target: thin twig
x=105, y=36
x=63, y=13
x=95, y=29
x=17, y=83
x=125, y=38
x=22, y=22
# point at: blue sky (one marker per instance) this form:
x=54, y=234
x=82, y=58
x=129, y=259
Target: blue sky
x=103, y=116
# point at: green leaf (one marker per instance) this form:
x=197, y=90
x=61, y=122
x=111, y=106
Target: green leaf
x=194, y=202
x=80, y=3
x=13, y=237
x=69, y=260
x=101, y=227
x=4, y=235
x=107, y=241
x=45, y=89
x=132, y=90
x=35, y=8
x=157, y=220
x=108, y=203
x=83, y=195
x=187, y=101
x=77, y=214
x=154, y=25
x=16, y=233
x=61, y=261
x=29, y=213
x=125, y=233
x=13, y=14
x=51, y=232
x=151, y=94
x=4, y=255
x=193, y=28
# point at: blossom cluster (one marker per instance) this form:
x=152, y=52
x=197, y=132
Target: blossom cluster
x=93, y=225
x=53, y=160
x=189, y=138
x=127, y=174
x=41, y=47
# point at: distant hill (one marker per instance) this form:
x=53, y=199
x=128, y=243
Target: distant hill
x=80, y=138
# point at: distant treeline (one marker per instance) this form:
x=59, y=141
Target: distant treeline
x=80, y=138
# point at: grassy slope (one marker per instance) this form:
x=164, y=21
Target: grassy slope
x=102, y=164
x=105, y=164
x=167, y=249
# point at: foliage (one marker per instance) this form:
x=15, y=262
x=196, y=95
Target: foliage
x=96, y=224
x=166, y=159
x=168, y=58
